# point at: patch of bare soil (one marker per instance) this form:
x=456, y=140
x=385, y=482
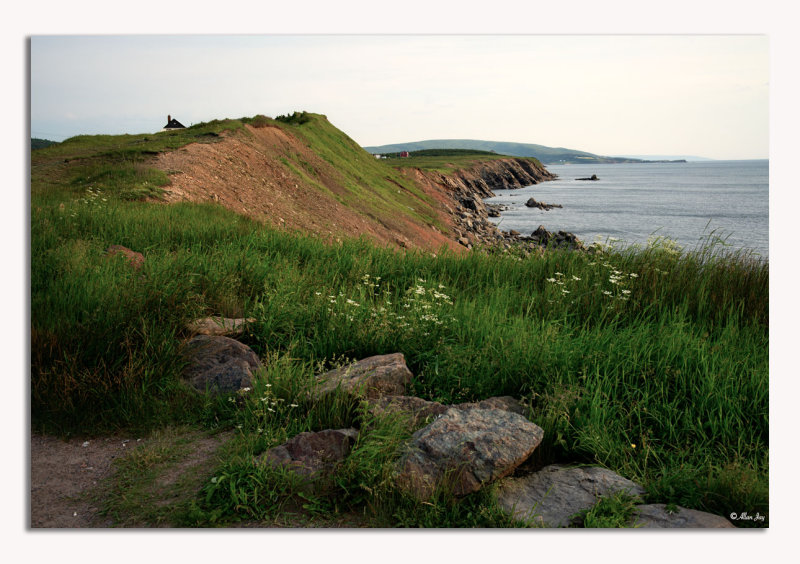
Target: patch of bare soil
x=65, y=473
x=68, y=478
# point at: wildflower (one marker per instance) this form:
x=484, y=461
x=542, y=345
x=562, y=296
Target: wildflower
x=558, y=274
x=626, y=291
x=606, y=292
x=633, y=275
x=633, y=445
x=551, y=279
x=575, y=277
x=317, y=293
x=352, y=303
x=564, y=291
x=293, y=405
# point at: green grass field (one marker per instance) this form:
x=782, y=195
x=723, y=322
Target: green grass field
x=652, y=362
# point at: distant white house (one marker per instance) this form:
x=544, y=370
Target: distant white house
x=172, y=124
x=377, y=156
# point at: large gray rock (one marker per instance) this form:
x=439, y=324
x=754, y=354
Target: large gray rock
x=219, y=364
x=218, y=325
x=370, y=378
x=467, y=448
x=312, y=455
x=656, y=516
x=551, y=496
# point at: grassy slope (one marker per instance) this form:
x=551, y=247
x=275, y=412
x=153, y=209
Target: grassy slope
x=652, y=362
x=373, y=187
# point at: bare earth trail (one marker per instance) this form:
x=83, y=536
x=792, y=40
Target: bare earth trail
x=70, y=477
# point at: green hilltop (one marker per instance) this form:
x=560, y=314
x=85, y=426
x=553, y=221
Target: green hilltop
x=547, y=155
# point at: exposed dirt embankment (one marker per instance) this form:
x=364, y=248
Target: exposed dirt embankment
x=278, y=179
x=462, y=193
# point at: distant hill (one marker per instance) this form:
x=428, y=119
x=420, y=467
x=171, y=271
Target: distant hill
x=664, y=157
x=547, y=155
x=41, y=143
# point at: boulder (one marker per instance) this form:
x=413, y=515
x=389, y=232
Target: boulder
x=656, y=516
x=467, y=449
x=592, y=177
x=219, y=364
x=311, y=455
x=370, y=378
x=218, y=325
x=136, y=260
x=551, y=496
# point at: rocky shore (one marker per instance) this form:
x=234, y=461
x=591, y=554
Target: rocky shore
x=466, y=189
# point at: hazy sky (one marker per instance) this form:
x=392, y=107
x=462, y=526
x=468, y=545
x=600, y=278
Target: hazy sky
x=682, y=94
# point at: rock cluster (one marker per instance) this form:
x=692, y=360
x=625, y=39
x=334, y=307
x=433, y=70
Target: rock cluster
x=463, y=448
x=592, y=177
x=470, y=214
x=532, y=203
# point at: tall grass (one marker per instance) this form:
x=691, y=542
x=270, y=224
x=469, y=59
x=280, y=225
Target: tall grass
x=652, y=362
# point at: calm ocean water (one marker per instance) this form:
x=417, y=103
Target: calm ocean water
x=633, y=202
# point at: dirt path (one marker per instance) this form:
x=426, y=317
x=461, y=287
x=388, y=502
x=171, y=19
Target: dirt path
x=63, y=476
x=69, y=478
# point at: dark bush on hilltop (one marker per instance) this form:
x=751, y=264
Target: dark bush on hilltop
x=257, y=121
x=297, y=118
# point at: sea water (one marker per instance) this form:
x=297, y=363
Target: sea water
x=689, y=203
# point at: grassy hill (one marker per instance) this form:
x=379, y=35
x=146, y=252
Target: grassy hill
x=652, y=362
x=547, y=155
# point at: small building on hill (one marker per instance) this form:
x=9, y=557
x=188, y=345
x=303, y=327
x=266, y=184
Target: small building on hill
x=172, y=124
x=403, y=153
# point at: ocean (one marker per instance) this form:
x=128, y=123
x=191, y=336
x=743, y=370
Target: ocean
x=631, y=203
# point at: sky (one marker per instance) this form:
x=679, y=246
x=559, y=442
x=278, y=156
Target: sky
x=701, y=95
